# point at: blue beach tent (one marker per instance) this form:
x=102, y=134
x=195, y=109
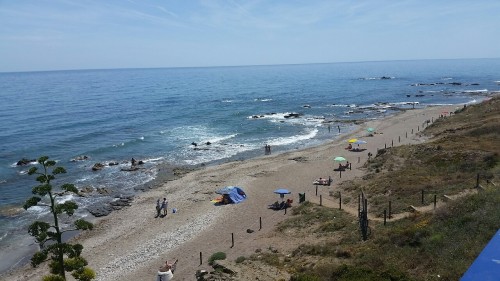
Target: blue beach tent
x=236, y=194
x=486, y=267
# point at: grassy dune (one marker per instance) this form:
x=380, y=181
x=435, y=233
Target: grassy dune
x=436, y=244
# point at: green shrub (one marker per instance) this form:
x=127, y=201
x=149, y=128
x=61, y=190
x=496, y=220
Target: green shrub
x=52, y=277
x=304, y=277
x=216, y=256
x=240, y=259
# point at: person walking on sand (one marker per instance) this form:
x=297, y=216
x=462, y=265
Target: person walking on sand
x=164, y=206
x=158, y=208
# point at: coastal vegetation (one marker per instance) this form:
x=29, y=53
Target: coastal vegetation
x=63, y=256
x=458, y=167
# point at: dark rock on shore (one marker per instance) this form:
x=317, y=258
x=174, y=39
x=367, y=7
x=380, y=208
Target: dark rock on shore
x=100, y=209
x=105, y=208
x=121, y=202
x=222, y=270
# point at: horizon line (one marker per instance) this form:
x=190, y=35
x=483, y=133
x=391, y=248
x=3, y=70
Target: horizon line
x=229, y=66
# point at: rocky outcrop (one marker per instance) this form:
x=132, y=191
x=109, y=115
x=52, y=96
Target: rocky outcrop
x=25, y=161
x=97, y=167
x=100, y=209
x=292, y=115
x=80, y=158
x=105, y=208
x=121, y=202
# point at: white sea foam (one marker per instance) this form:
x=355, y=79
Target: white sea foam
x=38, y=211
x=215, y=152
x=293, y=139
x=221, y=138
x=152, y=160
x=337, y=105
x=3, y=236
x=476, y=91
x=267, y=116
x=263, y=100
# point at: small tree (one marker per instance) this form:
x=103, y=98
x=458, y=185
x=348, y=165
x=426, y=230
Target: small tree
x=64, y=256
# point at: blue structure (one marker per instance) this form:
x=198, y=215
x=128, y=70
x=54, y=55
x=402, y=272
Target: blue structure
x=235, y=193
x=486, y=267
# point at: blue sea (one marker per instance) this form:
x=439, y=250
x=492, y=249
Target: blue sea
x=155, y=115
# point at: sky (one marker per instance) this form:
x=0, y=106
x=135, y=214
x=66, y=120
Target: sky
x=40, y=35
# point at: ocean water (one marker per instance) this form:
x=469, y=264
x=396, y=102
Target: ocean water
x=155, y=115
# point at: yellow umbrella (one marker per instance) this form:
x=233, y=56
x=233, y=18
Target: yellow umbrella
x=353, y=140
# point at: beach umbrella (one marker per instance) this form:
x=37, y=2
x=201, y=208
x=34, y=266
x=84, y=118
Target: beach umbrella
x=282, y=192
x=352, y=140
x=339, y=159
x=358, y=142
x=225, y=190
x=370, y=129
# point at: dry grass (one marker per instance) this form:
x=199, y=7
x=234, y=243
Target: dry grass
x=432, y=246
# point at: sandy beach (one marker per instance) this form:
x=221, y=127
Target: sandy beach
x=131, y=244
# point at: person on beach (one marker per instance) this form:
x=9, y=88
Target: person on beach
x=158, y=208
x=166, y=272
x=133, y=161
x=164, y=206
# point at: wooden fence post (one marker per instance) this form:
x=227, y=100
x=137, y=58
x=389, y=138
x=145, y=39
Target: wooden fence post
x=232, y=240
x=390, y=209
x=201, y=259
x=340, y=201
x=260, y=223
x=385, y=216
x=320, y=200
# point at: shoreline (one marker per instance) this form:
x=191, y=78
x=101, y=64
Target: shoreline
x=196, y=227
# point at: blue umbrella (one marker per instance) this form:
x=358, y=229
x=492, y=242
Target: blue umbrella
x=282, y=192
x=358, y=142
